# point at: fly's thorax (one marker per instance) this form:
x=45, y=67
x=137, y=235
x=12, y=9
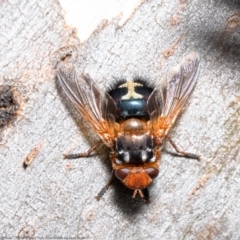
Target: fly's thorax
x=134, y=145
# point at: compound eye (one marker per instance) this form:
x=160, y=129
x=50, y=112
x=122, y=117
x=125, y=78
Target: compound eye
x=122, y=173
x=152, y=172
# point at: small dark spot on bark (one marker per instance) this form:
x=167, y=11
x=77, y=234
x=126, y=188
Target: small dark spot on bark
x=26, y=232
x=8, y=105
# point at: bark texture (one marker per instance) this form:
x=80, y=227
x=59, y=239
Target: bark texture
x=53, y=197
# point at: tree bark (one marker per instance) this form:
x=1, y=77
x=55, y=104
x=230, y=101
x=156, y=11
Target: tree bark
x=52, y=197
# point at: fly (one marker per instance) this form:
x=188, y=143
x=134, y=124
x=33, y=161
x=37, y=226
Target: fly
x=132, y=119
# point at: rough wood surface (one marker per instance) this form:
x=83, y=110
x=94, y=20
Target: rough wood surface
x=53, y=197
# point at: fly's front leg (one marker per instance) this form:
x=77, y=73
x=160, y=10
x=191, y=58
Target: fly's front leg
x=84, y=154
x=185, y=154
x=105, y=188
x=146, y=195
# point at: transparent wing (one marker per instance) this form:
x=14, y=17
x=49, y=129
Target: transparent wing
x=168, y=98
x=96, y=106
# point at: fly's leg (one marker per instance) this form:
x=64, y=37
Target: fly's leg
x=185, y=154
x=146, y=195
x=84, y=154
x=105, y=188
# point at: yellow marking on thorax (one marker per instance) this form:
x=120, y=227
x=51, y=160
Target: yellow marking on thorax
x=130, y=85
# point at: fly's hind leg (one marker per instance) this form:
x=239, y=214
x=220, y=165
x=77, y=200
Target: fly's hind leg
x=84, y=154
x=185, y=154
x=105, y=188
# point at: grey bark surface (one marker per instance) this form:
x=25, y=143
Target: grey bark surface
x=55, y=197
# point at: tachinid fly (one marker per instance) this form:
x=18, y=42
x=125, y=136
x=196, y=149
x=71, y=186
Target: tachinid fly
x=133, y=119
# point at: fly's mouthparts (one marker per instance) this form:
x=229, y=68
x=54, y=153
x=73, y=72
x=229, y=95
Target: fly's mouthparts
x=136, y=191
